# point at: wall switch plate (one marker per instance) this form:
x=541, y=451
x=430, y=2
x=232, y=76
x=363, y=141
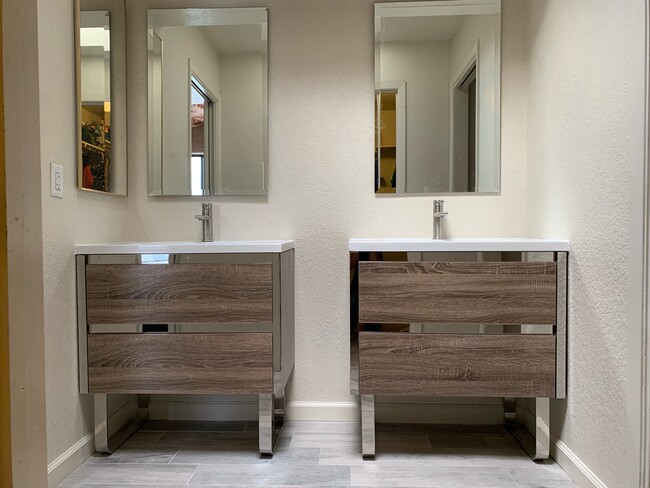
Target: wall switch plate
x=56, y=180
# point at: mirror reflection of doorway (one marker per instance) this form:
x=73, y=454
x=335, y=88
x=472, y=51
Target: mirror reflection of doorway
x=203, y=140
x=390, y=133
x=464, y=133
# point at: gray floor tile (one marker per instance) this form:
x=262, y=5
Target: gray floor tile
x=441, y=429
x=549, y=484
x=134, y=455
x=218, y=455
x=499, y=458
x=323, y=454
x=539, y=473
x=272, y=474
x=233, y=440
x=161, y=474
x=322, y=427
x=396, y=456
x=431, y=477
x=130, y=485
x=471, y=440
x=125, y=485
x=323, y=440
x=141, y=438
x=194, y=426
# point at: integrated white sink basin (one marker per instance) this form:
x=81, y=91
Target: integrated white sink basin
x=475, y=244
x=186, y=247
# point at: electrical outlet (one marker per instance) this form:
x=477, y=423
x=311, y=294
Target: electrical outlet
x=56, y=180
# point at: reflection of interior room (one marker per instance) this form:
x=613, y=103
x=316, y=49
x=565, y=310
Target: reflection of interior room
x=95, y=100
x=437, y=58
x=385, y=141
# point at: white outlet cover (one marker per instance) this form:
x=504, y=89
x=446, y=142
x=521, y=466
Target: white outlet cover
x=56, y=180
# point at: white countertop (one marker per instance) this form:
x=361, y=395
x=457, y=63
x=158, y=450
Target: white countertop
x=186, y=247
x=475, y=244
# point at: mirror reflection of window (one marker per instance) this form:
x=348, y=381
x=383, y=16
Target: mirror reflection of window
x=95, y=74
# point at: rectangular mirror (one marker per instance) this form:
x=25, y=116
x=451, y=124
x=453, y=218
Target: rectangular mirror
x=207, y=83
x=101, y=96
x=438, y=97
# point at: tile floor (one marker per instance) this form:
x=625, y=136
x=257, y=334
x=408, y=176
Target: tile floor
x=325, y=454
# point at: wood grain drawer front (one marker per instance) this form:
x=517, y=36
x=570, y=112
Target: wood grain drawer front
x=175, y=293
x=457, y=365
x=511, y=293
x=180, y=363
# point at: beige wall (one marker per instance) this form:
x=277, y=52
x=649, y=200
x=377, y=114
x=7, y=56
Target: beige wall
x=321, y=83
x=320, y=194
x=78, y=217
x=585, y=95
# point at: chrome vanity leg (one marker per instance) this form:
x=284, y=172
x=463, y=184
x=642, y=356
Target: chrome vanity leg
x=537, y=445
x=368, y=426
x=269, y=425
x=108, y=445
x=542, y=428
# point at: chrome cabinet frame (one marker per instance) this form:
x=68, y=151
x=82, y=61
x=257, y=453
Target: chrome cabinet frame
x=271, y=406
x=537, y=443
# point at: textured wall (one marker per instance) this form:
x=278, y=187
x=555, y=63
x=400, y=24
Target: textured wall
x=321, y=146
x=583, y=60
x=321, y=168
x=78, y=217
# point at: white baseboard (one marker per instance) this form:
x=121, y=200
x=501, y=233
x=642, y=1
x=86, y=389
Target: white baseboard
x=70, y=460
x=574, y=467
x=67, y=462
x=323, y=411
x=329, y=411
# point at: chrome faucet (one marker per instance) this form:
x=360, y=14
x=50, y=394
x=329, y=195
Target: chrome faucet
x=438, y=215
x=206, y=221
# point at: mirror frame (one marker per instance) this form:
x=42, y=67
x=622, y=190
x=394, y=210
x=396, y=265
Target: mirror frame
x=119, y=153
x=440, y=8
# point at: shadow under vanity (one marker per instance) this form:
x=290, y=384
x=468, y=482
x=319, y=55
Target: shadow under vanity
x=460, y=318
x=186, y=318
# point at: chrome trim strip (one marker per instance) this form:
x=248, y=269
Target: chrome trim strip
x=277, y=314
x=538, y=444
x=561, y=328
x=82, y=324
x=183, y=258
x=368, y=426
x=107, y=445
x=181, y=328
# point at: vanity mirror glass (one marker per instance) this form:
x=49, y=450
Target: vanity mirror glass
x=101, y=96
x=207, y=85
x=438, y=97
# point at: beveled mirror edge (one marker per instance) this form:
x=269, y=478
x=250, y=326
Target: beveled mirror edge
x=78, y=118
x=447, y=7
x=156, y=191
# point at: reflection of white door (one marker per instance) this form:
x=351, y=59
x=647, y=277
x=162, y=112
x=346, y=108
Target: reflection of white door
x=463, y=147
x=204, y=143
x=399, y=88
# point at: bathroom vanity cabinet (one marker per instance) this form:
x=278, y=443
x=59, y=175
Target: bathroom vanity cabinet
x=459, y=318
x=186, y=318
